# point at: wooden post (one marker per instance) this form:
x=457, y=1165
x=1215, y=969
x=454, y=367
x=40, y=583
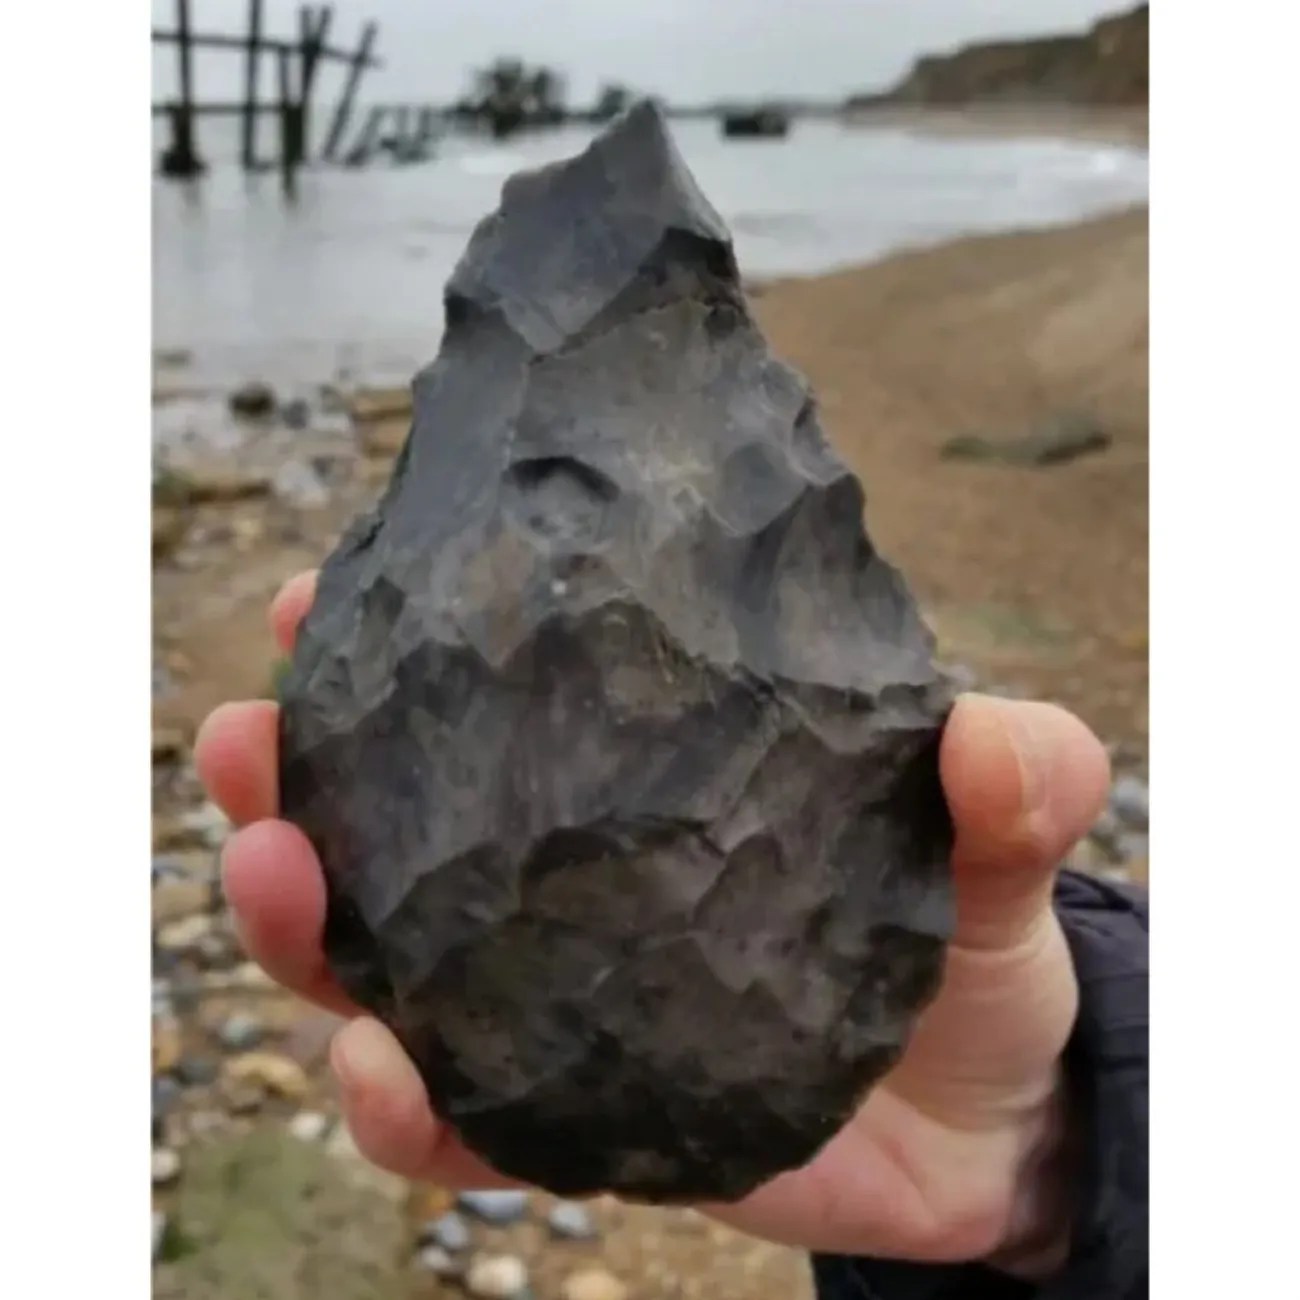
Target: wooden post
x=179, y=161
x=183, y=159
x=344, y=110
x=313, y=29
x=361, y=152
x=401, y=136
x=415, y=134
x=290, y=123
x=185, y=65
x=252, y=64
x=426, y=131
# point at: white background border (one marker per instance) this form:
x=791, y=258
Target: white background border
x=1225, y=548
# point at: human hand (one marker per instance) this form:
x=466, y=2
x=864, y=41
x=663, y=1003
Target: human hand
x=939, y=1164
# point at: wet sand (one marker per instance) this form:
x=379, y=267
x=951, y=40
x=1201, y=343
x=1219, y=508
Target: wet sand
x=1035, y=576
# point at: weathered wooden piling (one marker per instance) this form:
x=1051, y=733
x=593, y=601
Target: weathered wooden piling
x=313, y=29
x=185, y=57
x=342, y=114
x=297, y=63
x=398, y=139
x=252, y=65
x=428, y=130
x=181, y=158
x=291, y=155
x=368, y=141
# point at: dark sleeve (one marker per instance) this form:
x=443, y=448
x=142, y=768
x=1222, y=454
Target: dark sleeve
x=1106, y=1064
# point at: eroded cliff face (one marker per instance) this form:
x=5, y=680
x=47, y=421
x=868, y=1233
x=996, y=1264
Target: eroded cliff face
x=1107, y=65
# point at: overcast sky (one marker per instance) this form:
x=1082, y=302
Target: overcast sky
x=684, y=49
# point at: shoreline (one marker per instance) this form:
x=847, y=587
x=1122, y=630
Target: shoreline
x=990, y=336
x=178, y=374
x=759, y=287
x=343, y=349
x=1126, y=127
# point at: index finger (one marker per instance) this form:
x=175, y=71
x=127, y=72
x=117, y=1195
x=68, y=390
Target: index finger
x=290, y=606
x=273, y=883
x=235, y=751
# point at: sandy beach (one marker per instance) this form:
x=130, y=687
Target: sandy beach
x=1034, y=576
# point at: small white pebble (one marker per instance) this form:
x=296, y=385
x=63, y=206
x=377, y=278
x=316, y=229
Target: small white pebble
x=439, y=1262
x=570, y=1221
x=497, y=1277
x=559, y=587
x=593, y=1284
x=208, y=822
x=166, y=1166
x=177, y=936
x=309, y=1125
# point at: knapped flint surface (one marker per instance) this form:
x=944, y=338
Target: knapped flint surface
x=617, y=740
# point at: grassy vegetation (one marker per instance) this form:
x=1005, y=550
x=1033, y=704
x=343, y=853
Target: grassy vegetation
x=265, y=1216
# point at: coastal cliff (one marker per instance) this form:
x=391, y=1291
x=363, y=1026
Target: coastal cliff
x=1105, y=65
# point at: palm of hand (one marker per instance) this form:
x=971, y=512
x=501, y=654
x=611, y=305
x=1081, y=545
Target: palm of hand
x=928, y=1167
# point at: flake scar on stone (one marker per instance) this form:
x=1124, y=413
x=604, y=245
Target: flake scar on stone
x=616, y=738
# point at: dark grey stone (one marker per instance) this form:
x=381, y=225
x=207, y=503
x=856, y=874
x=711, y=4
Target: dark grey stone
x=216, y=949
x=1131, y=801
x=161, y=682
x=240, y=1032
x=196, y=1071
x=296, y=413
x=166, y=1093
x=254, y=398
x=1132, y=846
x=187, y=991
x=158, y=1227
x=162, y=997
x=616, y=738
x=1106, y=832
x=163, y=867
x=164, y=964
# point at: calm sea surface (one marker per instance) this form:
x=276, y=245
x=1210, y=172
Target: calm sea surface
x=348, y=281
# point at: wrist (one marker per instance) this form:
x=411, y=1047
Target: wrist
x=1036, y=1242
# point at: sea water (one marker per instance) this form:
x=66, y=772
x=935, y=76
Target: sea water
x=346, y=282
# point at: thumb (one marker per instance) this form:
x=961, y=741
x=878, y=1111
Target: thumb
x=1024, y=782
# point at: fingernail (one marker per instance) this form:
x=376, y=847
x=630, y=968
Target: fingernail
x=1029, y=738
x=363, y=1054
